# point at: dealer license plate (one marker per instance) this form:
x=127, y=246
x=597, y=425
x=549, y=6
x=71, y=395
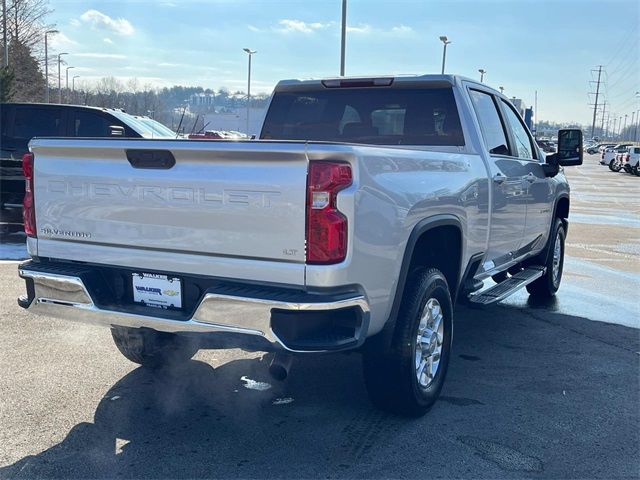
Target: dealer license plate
x=157, y=290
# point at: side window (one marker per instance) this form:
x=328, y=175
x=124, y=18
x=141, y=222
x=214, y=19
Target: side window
x=493, y=133
x=90, y=124
x=523, y=147
x=37, y=122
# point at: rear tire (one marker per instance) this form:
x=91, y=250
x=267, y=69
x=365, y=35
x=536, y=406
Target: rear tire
x=152, y=349
x=406, y=377
x=547, y=285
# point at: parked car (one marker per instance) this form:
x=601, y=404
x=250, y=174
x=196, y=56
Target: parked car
x=374, y=206
x=596, y=148
x=546, y=146
x=20, y=122
x=631, y=160
x=609, y=154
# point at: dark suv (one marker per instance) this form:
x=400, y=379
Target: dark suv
x=20, y=122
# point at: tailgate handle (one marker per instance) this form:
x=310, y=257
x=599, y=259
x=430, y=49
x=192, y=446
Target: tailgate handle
x=156, y=159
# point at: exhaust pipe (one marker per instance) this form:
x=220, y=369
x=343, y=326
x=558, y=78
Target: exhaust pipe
x=280, y=366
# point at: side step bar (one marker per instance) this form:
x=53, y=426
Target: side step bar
x=503, y=289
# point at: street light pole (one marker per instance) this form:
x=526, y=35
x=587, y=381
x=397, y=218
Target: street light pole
x=446, y=42
x=501, y=90
x=46, y=65
x=67, y=83
x=73, y=87
x=625, y=124
x=482, y=72
x=60, y=86
x=343, y=38
x=250, y=53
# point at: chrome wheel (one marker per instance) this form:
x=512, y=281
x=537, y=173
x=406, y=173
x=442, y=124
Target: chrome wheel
x=429, y=342
x=557, y=258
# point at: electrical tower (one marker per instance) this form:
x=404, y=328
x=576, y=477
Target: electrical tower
x=595, y=106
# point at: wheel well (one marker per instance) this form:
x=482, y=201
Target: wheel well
x=440, y=248
x=562, y=209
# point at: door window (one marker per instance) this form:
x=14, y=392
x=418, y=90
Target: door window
x=493, y=133
x=37, y=122
x=90, y=124
x=523, y=145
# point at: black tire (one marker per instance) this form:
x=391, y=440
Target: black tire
x=611, y=163
x=635, y=170
x=390, y=373
x=153, y=349
x=547, y=285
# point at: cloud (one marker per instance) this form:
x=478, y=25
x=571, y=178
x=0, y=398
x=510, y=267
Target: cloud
x=100, y=21
x=299, y=26
x=100, y=55
x=254, y=29
x=61, y=41
x=360, y=28
x=107, y=40
x=402, y=29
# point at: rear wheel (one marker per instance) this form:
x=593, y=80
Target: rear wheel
x=406, y=377
x=547, y=285
x=152, y=349
x=635, y=170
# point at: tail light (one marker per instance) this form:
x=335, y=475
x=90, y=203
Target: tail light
x=326, y=225
x=28, y=207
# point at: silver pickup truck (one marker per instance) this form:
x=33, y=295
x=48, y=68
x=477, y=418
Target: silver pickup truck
x=366, y=209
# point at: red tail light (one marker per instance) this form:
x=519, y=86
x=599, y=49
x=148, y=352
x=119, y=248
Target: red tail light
x=28, y=207
x=326, y=226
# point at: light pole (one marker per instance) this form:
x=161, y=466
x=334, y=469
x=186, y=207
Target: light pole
x=250, y=53
x=46, y=65
x=343, y=37
x=446, y=42
x=73, y=87
x=635, y=130
x=67, y=82
x=482, y=72
x=625, y=125
x=501, y=90
x=59, y=86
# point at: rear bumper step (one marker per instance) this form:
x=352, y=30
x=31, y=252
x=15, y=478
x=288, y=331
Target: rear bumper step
x=293, y=322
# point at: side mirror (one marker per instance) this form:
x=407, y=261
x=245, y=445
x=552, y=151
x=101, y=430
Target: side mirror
x=116, y=131
x=569, y=147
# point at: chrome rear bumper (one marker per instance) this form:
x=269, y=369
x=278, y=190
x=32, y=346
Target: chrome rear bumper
x=67, y=297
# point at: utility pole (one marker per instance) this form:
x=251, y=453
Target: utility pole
x=5, y=60
x=620, y=127
x=625, y=125
x=604, y=109
x=635, y=130
x=613, y=133
x=633, y=116
x=595, y=107
x=343, y=38
x=608, y=124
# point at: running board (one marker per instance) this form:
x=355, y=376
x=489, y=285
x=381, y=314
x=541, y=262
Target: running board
x=503, y=289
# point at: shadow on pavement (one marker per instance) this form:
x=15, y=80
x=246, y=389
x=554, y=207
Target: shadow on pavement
x=529, y=393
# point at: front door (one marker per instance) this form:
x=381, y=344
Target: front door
x=539, y=194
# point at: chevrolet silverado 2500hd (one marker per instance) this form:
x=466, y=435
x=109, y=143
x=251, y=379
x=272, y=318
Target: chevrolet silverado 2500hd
x=366, y=209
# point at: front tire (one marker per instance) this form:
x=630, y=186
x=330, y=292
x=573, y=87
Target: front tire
x=547, y=285
x=406, y=377
x=152, y=349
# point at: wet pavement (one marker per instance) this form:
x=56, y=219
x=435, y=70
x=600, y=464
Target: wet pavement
x=533, y=391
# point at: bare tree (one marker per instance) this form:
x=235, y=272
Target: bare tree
x=27, y=22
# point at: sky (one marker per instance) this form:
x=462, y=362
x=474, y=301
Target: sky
x=552, y=47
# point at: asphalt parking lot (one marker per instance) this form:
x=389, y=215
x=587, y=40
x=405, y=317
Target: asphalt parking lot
x=533, y=390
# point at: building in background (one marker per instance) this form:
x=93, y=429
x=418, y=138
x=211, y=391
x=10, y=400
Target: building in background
x=236, y=119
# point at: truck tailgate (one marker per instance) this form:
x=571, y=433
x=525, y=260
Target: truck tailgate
x=221, y=199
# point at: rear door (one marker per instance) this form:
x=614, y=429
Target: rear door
x=507, y=180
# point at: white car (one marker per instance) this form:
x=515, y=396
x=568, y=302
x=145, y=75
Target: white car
x=631, y=160
x=609, y=154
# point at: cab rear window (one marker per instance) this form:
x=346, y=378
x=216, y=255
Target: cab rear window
x=376, y=116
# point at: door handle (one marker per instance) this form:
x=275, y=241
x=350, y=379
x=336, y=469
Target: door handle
x=531, y=178
x=499, y=178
